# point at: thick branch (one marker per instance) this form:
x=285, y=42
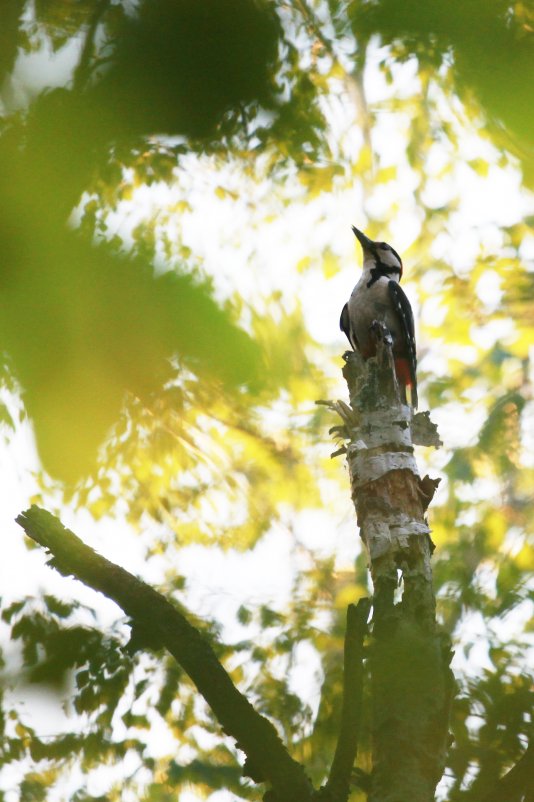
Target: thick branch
x=267, y=758
x=517, y=782
x=338, y=786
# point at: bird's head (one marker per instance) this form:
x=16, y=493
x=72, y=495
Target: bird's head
x=379, y=255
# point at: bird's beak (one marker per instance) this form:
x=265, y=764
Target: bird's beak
x=364, y=241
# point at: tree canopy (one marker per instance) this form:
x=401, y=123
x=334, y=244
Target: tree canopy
x=175, y=210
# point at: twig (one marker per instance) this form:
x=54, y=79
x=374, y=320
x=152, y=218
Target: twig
x=353, y=79
x=81, y=73
x=315, y=26
x=338, y=786
x=151, y=612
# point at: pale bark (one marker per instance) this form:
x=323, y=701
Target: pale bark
x=411, y=682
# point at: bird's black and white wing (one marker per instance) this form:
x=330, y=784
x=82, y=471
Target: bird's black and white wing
x=344, y=325
x=403, y=308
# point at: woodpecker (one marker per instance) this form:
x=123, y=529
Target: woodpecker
x=379, y=296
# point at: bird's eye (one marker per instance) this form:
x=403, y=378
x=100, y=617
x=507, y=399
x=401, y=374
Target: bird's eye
x=385, y=246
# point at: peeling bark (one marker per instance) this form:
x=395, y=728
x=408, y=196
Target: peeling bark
x=411, y=683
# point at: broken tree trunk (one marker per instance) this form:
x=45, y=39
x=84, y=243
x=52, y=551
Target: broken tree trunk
x=411, y=682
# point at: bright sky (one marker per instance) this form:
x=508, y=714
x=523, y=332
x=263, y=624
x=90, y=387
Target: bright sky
x=214, y=231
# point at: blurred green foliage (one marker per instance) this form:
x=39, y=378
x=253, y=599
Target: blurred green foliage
x=150, y=388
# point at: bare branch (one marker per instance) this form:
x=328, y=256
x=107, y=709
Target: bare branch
x=267, y=758
x=337, y=788
x=82, y=72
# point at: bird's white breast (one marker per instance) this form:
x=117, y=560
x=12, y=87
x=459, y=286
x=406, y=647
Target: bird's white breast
x=367, y=304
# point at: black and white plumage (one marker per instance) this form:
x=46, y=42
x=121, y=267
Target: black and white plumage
x=379, y=296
